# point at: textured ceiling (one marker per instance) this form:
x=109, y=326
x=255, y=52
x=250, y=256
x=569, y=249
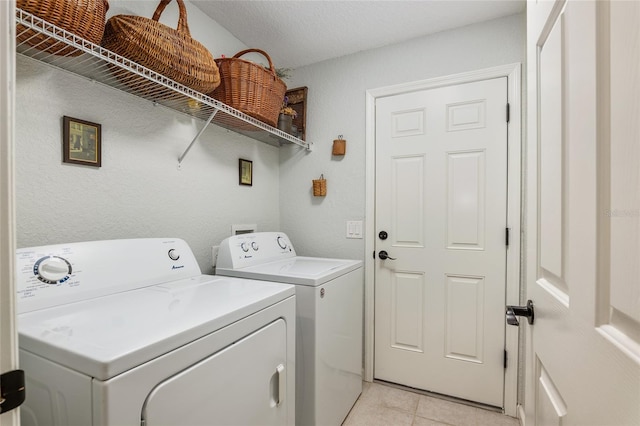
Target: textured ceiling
x=301, y=32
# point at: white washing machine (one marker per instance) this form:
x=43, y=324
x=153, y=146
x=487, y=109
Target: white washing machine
x=329, y=313
x=129, y=332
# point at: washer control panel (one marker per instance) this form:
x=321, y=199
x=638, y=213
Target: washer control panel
x=244, y=250
x=59, y=274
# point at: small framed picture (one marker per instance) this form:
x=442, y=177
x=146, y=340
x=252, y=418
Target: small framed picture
x=245, y=168
x=81, y=142
x=297, y=99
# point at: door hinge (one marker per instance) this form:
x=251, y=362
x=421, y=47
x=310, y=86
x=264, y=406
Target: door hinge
x=12, y=393
x=505, y=359
x=508, y=112
x=506, y=236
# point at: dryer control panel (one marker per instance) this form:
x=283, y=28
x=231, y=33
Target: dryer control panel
x=240, y=251
x=58, y=274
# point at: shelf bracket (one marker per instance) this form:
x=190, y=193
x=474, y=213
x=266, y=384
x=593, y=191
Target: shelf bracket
x=186, y=151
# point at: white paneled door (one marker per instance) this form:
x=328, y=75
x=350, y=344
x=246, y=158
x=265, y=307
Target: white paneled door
x=583, y=254
x=441, y=214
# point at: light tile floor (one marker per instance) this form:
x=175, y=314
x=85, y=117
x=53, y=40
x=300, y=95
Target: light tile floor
x=382, y=405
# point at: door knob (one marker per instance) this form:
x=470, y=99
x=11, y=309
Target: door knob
x=520, y=311
x=384, y=255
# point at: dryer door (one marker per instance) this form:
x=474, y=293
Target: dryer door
x=243, y=384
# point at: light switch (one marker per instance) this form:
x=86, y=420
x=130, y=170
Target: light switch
x=354, y=229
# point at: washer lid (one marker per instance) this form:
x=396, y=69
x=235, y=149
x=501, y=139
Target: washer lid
x=311, y=271
x=106, y=336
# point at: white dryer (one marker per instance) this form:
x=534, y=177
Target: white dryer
x=129, y=332
x=329, y=313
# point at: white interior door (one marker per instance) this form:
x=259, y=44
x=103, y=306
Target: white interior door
x=8, y=332
x=583, y=351
x=441, y=198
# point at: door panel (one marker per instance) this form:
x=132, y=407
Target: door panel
x=441, y=168
x=583, y=360
x=407, y=222
x=464, y=310
x=466, y=200
x=408, y=311
x=624, y=206
x=551, y=408
x=551, y=155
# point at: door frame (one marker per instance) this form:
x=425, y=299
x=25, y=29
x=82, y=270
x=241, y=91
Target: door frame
x=8, y=327
x=514, y=191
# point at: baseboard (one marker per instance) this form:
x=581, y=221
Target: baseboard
x=521, y=415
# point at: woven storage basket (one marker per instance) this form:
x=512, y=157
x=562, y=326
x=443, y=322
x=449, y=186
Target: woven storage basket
x=320, y=187
x=167, y=51
x=339, y=146
x=84, y=18
x=250, y=87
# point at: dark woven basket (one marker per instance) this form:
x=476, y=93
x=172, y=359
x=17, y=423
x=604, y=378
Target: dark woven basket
x=250, y=87
x=167, y=51
x=84, y=18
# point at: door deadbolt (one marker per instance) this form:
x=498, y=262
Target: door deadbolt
x=383, y=235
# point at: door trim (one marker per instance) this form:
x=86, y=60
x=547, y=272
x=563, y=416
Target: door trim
x=514, y=137
x=8, y=327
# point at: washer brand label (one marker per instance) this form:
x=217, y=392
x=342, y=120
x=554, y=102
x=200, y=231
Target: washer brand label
x=177, y=267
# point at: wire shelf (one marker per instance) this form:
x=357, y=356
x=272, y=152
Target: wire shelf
x=44, y=42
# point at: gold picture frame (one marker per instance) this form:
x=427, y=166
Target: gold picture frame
x=245, y=172
x=81, y=142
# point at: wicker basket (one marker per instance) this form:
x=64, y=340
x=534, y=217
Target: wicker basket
x=320, y=187
x=339, y=146
x=250, y=87
x=84, y=18
x=172, y=53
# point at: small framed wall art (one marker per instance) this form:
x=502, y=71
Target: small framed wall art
x=245, y=168
x=297, y=99
x=81, y=142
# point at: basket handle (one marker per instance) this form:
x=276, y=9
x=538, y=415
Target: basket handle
x=262, y=52
x=183, y=27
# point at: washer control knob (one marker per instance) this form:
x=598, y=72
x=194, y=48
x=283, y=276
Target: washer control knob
x=254, y=246
x=282, y=242
x=52, y=269
x=244, y=247
x=173, y=254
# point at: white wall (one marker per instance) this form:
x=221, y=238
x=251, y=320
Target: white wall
x=138, y=191
x=336, y=105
